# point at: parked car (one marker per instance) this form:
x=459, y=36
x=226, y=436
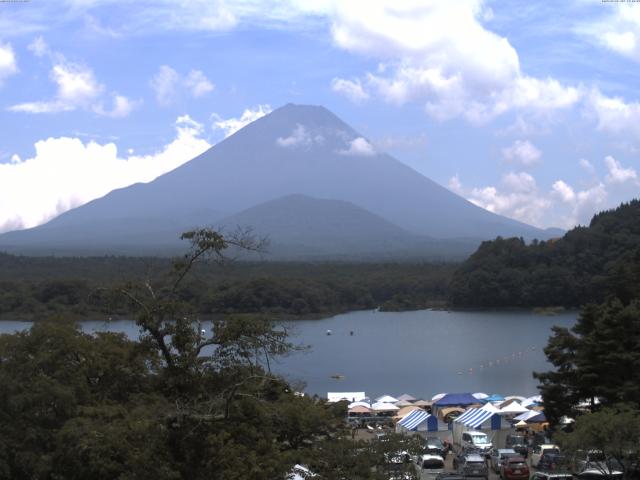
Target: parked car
x=551, y=461
x=435, y=445
x=473, y=465
x=518, y=443
x=539, y=450
x=430, y=465
x=398, y=466
x=514, y=468
x=539, y=438
x=557, y=475
x=473, y=439
x=594, y=465
x=498, y=455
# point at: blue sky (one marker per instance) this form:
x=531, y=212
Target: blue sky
x=529, y=109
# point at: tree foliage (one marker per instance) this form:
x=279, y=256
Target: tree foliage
x=586, y=265
x=179, y=403
x=599, y=358
x=611, y=435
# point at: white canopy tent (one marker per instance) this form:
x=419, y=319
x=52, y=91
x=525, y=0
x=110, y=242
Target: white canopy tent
x=513, y=408
x=386, y=399
x=384, y=407
x=349, y=396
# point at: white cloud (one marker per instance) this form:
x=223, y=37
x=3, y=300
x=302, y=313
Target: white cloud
x=164, y=83
x=168, y=84
x=455, y=185
x=618, y=31
x=618, y=174
x=359, y=147
x=564, y=191
x=522, y=152
x=518, y=196
x=122, y=107
x=352, y=89
x=39, y=47
x=66, y=172
x=586, y=164
x=198, y=83
x=614, y=115
x=520, y=182
x=439, y=53
x=76, y=88
x=300, y=137
x=231, y=125
x=8, y=63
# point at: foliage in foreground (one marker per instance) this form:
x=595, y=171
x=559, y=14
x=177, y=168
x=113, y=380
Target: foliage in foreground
x=610, y=436
x=179, y=403
x=598, y=358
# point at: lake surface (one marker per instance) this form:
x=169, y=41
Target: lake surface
x=422, y=353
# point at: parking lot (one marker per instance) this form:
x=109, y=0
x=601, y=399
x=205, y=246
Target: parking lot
x=449, y=468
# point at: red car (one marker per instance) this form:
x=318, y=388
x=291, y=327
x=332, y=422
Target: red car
x=514, y=468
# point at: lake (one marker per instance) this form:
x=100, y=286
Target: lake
x=422, y=352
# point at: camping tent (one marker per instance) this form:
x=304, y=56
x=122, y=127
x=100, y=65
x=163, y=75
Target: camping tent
x=513, y=408
x=384, y=407
x=539, y=418
x=407, y=398
x=349, y=396
x=448, y=413
x=456, y=400
x=386, y=399
x=404, y=411
x=494, y=398
x=526, y=415
x=418, y=420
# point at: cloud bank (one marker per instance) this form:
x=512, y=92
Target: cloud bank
x=66, y=173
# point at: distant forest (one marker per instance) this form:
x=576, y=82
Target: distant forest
x=33, y=288
x=587, y=265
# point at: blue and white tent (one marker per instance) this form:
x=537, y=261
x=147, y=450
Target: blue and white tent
x=486, y=418
x=418, y=420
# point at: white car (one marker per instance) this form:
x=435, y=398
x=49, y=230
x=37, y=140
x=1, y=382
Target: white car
x=539, y=450
x=430, y=465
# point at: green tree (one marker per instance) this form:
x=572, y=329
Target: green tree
x=611, y=436
x=599, y=358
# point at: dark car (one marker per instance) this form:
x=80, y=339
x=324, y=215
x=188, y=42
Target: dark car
x=473, y=465
x=518, y=443
x=514, y=468
x=552, y=461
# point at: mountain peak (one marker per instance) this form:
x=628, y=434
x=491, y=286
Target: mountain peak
x=296, y=149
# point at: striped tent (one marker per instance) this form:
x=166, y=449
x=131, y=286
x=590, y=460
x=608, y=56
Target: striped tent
x=474, y=417
x=418, y=420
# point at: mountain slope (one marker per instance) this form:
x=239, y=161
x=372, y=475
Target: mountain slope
x=299, y=226
x=295, y=149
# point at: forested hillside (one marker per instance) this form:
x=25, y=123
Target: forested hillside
x=34, y=288
x=586, y=265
